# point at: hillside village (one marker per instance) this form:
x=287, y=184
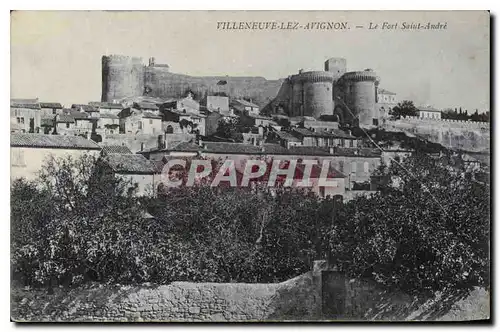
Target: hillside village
x=146, y=131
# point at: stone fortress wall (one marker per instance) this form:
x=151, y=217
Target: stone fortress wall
x=455, y=134
x=124, y=76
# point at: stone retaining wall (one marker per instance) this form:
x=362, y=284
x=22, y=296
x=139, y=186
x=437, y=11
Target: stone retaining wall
x=177, y=302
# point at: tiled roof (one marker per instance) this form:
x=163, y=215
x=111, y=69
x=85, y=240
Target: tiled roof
x=86, y=108
x=25, y=103
x=130, y=163
x=185, y=147
x=144, y=105
x=246, y=103
x=108, y=116
x=98, y=104
x=231, y=148
x=65, y=118
x=334, y=133
x=122, y=149
x=80, y=115
x=149, y=115
x=51, y=105
x=52, y=141
x=258, y=116
x=286, y=136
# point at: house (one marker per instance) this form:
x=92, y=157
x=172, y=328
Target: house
x=333, y=137
x=48, y=109
x=25, y=116
x=29, y=151
x=319, y=126
x=64, y=123
x=386, y=101
x=243, y=106
x=256, y=120
x=183, y=116
x=145, y=106
x=185, y=105
x=283, y=138
x=428, y=112
x=108, y=123
x=141, y=174
x=216, y=103
x=106, y=107
x=134, y=121
x=73, y=122
x=91, y=110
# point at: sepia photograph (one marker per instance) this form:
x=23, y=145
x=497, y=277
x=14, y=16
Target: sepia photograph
x=250, y=166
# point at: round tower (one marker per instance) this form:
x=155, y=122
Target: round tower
x=122, y=76
x=359, y=90
x=316, y=92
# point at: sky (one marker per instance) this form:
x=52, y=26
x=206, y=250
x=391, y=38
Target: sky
x=56, y=56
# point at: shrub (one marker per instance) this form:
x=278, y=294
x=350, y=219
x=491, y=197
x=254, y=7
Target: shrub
x=424, y=233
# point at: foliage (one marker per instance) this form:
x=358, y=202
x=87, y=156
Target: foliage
x=417, y=234
x=229, y=128
x=464, y=115
x=404, y=109
x=74, y=224
x=79, y=223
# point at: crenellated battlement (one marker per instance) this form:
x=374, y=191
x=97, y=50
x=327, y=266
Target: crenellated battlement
x=313, y=77
x=116, y=58
x=358, y=76
x=462, y=123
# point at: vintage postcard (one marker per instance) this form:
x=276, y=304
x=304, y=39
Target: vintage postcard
x=250, y=166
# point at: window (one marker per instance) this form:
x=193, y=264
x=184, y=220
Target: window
x=353, y=168
x=140, y=124
x=341, y=166
x=150, y=121
x=366, y=167
x=67, y=125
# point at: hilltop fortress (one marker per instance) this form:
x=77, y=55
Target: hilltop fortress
x=313, y=93
x=349, y=98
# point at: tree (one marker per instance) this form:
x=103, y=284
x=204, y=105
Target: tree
x=71, y=225
x=404, y=109
x=426, y=230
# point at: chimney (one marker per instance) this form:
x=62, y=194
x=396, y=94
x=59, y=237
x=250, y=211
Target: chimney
x=200, y=142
